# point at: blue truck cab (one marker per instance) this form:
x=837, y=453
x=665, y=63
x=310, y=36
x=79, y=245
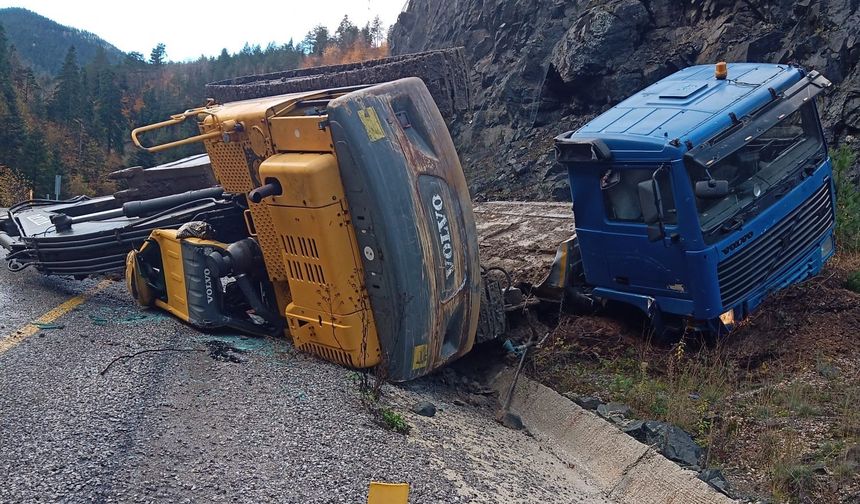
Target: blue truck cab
x=700, y=195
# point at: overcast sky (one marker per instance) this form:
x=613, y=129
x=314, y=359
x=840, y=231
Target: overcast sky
x=191, y=28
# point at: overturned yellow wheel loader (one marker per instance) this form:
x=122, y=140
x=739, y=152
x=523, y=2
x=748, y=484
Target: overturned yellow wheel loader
x=359, y=214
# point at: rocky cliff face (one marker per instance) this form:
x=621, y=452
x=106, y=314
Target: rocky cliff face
x=542, y=67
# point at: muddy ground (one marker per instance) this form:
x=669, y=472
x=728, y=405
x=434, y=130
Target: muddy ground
x=776, y=404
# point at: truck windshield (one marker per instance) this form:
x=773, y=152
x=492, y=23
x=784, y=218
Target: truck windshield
x=759, y=165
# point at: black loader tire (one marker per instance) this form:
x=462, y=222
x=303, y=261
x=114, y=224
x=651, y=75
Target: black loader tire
x=444, y=72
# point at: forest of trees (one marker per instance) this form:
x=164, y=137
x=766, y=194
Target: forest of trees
x=77, y=123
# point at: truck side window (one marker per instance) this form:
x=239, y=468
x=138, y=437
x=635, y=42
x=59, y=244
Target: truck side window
x=621, y=194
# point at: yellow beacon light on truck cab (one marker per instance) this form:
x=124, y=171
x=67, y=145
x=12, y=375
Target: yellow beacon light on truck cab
x=721, y=71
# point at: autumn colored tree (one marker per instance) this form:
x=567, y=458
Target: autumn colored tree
x=77, y=122
x=13, y=189
x=350, y=44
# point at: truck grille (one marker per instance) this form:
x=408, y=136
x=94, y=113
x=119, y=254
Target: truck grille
x=768, y=255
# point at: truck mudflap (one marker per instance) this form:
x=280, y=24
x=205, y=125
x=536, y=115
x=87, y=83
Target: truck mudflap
x=412, y=214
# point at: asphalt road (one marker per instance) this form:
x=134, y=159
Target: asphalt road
x=179, y=425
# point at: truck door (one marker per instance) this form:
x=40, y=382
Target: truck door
x=617, y=251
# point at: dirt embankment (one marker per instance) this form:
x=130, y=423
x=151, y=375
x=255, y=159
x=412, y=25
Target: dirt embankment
x=776, y=404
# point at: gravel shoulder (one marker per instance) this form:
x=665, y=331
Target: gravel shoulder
x=179, y=425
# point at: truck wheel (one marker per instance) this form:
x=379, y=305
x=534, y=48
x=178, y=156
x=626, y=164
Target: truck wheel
x=443, y=71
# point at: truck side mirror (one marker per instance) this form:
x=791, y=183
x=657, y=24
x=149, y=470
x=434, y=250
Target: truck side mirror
x=651, y=202
x=712, y=189
x=648, y=203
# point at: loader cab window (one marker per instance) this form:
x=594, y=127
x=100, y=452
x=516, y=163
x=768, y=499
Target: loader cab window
x=621, y=199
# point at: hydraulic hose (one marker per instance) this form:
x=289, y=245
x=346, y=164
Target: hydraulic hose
x=139, y=208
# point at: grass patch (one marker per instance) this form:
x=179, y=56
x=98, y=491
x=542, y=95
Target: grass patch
x=835, y=456
x=681, y=388
x=795, y=399
x=394, y=421
x=802, y=399
x=845, y=470
x=688, y=393
x=370, y=394
x=829, y=450
x=826, y=368
x=790, y=478
x=792, y=482
x=848, y=419
x=847, y=201
x=781, y=422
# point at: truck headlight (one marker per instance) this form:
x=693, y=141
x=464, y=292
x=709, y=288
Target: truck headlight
x=728, y=318
x=827, y=246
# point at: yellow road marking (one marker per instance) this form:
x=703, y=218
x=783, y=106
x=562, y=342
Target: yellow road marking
x=13, y=339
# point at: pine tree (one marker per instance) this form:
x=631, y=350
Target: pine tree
x=38, y=169
x=346, y=34
x=377, y=32
x=142, y=158
x=158, y=56
x=12, y=133
x=316, y=41
x=135, y=59
x=30, y=86
x=67, y=104
x=108, y=111
x=366, y=37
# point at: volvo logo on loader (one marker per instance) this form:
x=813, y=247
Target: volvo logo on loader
x=444, y=233
x=207, y=279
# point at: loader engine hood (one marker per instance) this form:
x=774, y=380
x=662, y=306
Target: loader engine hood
x=411, y=210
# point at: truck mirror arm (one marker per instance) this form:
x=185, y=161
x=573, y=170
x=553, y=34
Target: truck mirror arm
x=656, y=217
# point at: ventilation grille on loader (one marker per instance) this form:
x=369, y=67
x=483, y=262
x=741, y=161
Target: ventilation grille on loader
x=329, y=354
x=303, y=259
x=233, y=173
x=297, y=245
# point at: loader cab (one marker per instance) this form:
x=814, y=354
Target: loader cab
x=701, y=194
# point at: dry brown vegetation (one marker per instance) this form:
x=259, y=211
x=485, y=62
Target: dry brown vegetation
x=336, y=55
x=776, y=404
x=12, y=188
